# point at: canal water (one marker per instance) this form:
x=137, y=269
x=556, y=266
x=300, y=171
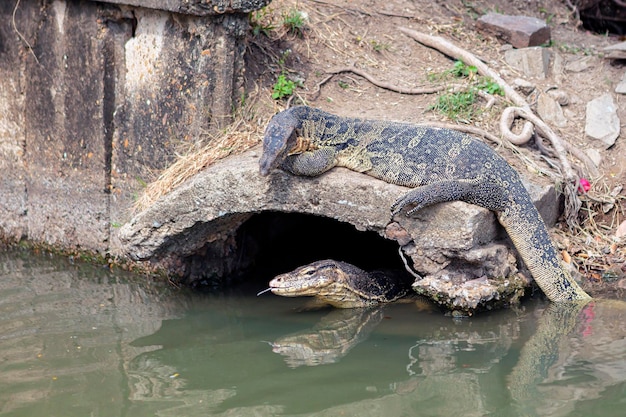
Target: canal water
x=79, y=340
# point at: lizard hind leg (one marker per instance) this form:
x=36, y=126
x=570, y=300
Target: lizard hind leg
x=488, y=195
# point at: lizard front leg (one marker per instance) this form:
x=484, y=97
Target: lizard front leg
x=311, y=163
x=488, y=195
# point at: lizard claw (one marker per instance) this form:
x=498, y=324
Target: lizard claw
x=412, y=211
x=399, y=206
x=404, y=201
x=417, y=197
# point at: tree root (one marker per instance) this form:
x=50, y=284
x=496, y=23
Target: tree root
x=533, y=122
x=468, y=58
x=466, y=129
x=407, y=267
x=387, y=86
x=560, y=146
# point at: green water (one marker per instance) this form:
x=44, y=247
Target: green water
x=77, y=340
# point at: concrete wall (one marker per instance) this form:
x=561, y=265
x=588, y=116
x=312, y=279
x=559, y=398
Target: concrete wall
x=96, y=96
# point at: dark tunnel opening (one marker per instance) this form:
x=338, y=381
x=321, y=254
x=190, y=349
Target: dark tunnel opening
x=290, y=240
x=604, y=16
x=271, y=243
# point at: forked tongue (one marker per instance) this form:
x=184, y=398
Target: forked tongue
x=264, y=291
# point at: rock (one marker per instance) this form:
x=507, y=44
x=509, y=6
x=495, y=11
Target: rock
x=617, y=51
x=533, y=62
x=621, y=86
x=558, y=67
x=202, y=217
x=523, y=86
x=470, y=295
x=142, y=82
x=579, y=65
x=550, y=110
x=395, y=232
x=519, y=31
x=440, y=234
x=621, y=230
x=560, y=96
x=547, y=199
x=594, y=155
x=602, y=123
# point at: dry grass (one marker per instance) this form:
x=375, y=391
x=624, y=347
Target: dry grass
x=245, y=132
x=594, y=248
x=189, y=164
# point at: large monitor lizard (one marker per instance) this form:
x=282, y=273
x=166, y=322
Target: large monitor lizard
x=439, y=164
x=340, y=284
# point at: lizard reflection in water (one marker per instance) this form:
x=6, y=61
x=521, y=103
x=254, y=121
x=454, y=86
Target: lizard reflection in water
x=577, y=353
x=329, y=340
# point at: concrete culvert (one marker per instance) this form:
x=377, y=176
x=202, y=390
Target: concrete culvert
x=228, y=221
x=270, y=243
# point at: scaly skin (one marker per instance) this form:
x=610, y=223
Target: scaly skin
x=340, y=284
x=440, y=164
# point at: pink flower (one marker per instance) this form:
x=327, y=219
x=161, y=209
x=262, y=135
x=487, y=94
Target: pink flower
x=584, y=186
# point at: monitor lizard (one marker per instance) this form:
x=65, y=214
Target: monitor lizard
x=340, y=284
x=439, y=164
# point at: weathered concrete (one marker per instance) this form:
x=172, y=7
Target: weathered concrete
x=519, y=31
x=196, y=7
x=102, y=100
x=453, y=240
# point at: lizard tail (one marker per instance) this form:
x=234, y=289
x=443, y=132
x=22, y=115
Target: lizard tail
x=526, y=229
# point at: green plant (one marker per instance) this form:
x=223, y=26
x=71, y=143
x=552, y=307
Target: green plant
x=461, y=104
x=573, y=49
x=379, y=46
x=471, y=9
x=283, y=58
x=260, y=22
x=343, y=84
x=460, y=69
x=141, y=182
x=283, y=87
x=488, y=85
x=294, y=21
x=458, y=105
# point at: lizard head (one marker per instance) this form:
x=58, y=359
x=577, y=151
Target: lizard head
x=339, y=284
x=279, y=138
x=308, y=280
